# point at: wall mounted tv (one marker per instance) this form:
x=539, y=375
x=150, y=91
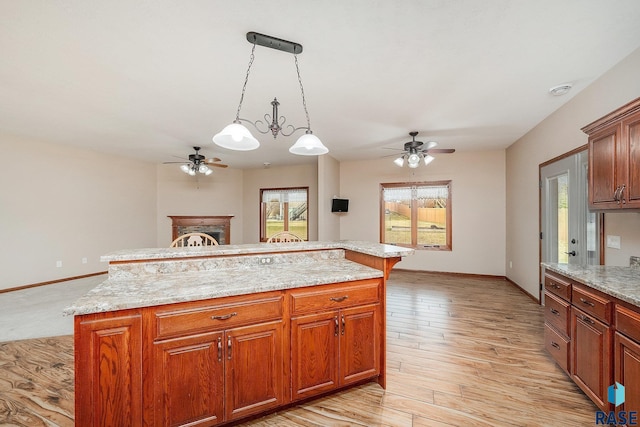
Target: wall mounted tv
x=340, y=205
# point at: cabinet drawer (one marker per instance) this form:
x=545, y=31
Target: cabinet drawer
x=557, y=346
x=557, y=285
x=592, y=303
x=557, y=313
x=628, y=322
x=214, y=316
x=334, y=297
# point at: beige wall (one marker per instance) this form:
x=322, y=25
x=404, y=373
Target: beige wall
x=478, y=190
x=181, y=194
x=277, y=177
x=328, y=187
x=59, y=203
x=558, y=134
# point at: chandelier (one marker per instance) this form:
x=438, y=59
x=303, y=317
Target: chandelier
x=237, y=137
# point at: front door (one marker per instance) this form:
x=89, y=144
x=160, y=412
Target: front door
x=569, y=232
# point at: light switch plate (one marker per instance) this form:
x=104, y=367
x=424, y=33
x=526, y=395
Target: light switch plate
x=613, y=242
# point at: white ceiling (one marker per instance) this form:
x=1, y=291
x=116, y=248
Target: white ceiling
x=150, y=79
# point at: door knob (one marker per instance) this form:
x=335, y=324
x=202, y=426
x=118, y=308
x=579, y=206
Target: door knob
x=572, y=253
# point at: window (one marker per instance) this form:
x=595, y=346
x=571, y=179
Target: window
x=283, y=209
x=416, y=214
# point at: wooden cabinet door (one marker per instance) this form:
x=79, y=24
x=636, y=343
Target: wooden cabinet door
x=254, y=371
x=314, y=354
x=591, y=361
x=603, y=163
x=631, y=131
x=188, y=387
x=108, y=370
x=359, y=346
x=627, y=371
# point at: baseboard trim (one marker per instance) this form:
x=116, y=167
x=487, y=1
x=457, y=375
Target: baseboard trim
x=475, y=276
x=50, y=282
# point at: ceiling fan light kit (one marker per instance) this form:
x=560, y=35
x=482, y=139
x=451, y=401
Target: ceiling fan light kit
x=237, y=137
x=417, y=151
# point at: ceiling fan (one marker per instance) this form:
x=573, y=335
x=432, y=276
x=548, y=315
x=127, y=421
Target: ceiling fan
x=198, y=163
x=414, y=151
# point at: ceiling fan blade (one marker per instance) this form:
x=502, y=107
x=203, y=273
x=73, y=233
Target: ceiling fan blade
x=212, y=160
x=218, y=165
x=441, y=150
x=395, y=149
x=186, y=162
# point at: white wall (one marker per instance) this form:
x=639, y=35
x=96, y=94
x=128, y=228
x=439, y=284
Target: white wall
x=478, y=208
x=328, y=187
x=59, y=203
x=558, y=134
x=217, y=194
x=277, y=177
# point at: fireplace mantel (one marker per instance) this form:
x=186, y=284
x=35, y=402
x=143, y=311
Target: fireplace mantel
x=218, y=227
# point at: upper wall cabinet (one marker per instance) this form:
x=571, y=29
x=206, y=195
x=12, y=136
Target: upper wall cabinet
x=614, y=159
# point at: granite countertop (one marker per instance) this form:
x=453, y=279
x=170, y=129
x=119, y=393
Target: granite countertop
x=620, y=282
x=369, y=248
x=125, y=293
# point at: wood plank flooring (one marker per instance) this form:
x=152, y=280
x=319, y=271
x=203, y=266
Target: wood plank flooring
x=461, y=352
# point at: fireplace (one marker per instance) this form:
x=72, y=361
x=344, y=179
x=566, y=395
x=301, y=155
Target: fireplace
x=218, y=227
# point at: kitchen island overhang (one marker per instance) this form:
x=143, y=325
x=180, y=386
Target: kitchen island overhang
x=243, y=329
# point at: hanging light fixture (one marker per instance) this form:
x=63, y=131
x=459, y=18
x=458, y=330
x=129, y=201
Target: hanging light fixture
x=237, y=137
x=418, y=151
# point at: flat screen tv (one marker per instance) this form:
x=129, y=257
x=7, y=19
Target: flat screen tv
x=340, y=205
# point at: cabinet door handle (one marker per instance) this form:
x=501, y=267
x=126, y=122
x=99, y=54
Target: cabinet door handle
x=555, y=345
x=343, y=323
x=229, y=347
x=224, y=316
x=339, y=299
x=616, y=197
x=586, y=319
x=337, y=326
x=587, y=302
x=554, y=311
x=219, y=349
x=620, y=196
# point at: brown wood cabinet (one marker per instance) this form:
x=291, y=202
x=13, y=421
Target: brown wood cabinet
x=602, y=345
x=614, y=159
x=339, y=345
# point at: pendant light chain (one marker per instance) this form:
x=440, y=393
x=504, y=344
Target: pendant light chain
x=246, y=79
x=304, y=101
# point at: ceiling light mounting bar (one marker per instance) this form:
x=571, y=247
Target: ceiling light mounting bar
x=274, y=42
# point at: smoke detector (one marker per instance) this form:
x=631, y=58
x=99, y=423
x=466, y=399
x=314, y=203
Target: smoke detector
x=560, y=89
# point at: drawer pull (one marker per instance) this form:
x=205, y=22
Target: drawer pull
x=587, y=302
x=555, y=345
x=339, y=299
x=224, y=316
x=586, y=319
x=556, y=286
x=554, y=311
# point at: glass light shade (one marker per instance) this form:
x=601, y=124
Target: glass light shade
x=203, y=168
x=208, y=172
x=308, y=145
x=236, y=137
x=428, y=159
x=184, y=168
x=399, y=161
x=413, y=160
x=192, y=172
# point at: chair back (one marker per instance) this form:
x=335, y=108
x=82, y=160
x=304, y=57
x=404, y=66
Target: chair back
x=194, y=239
x=284, y=236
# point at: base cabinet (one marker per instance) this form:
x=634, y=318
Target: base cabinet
x=333, y=349
x=627, y=372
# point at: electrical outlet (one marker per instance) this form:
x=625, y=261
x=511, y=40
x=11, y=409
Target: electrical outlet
x=84, y=260
x=613, y=242
x=266, y=260
x=58, y=264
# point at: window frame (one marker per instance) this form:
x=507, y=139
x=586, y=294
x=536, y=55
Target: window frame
x=263, y=219
x=414, y=215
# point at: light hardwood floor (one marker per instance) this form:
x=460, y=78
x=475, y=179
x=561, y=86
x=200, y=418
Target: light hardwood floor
x=461, y=352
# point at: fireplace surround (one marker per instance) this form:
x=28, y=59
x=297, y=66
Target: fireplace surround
x=218, y=227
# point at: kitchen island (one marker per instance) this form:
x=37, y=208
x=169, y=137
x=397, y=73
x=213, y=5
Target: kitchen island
x=210, y=335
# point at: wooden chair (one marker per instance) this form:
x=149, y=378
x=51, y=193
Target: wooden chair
x=284, y=236
x=194, y=239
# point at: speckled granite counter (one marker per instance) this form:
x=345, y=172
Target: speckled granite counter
x=157, y=276
x=620, y=282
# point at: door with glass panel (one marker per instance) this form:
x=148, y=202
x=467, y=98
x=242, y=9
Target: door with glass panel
x=569, y=233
